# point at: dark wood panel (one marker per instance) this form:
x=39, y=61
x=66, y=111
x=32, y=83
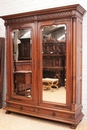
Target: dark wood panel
x=2, y=42
x=24, y=49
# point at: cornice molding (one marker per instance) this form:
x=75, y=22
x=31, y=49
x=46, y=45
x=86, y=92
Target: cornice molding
x=46, y=14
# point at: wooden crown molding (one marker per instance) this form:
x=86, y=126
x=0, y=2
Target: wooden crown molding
x=46, y=14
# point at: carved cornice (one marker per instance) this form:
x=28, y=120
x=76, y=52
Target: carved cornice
x=39, y=17
x=54, y=15
x=46, y=14
x=19, y=20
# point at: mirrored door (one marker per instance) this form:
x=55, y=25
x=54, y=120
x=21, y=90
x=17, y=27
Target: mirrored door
x=53, y=44
x=54, y=63
x=22, y=62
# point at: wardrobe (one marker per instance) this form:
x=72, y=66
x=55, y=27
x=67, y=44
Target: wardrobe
x=44, y=63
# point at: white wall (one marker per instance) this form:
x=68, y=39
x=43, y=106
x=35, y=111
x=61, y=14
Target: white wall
x=18, y=6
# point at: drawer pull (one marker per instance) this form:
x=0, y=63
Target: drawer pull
x=21, y=108
x=53, y=114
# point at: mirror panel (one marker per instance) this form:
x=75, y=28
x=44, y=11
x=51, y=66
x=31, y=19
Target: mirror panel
x=54, y=63
x=22, y=62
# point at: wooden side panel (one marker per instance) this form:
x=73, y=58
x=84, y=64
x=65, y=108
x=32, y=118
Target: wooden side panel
x=2, y=41
x=79, y=63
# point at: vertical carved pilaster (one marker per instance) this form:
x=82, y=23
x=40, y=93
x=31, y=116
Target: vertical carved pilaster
x=74, y=61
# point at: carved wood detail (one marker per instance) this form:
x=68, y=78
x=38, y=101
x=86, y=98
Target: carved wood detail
x=39, y=17
x=19, y=20
x=55, y=15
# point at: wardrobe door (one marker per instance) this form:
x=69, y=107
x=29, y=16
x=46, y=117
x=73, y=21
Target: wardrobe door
x=55, y=63
x=21, y=56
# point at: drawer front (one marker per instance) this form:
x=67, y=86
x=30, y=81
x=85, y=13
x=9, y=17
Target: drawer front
x=50, y=114
x=23, y=67
x=20, y=78
x=28, y=78
x=24, y=78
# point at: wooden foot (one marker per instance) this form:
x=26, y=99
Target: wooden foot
x=73, y=126
x=8, y=112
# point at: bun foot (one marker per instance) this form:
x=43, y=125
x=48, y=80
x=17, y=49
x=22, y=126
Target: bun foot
x=8, y=112
x=73, y=126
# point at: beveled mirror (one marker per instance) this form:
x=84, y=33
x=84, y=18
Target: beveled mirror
x=22, y=62
x=54, y=63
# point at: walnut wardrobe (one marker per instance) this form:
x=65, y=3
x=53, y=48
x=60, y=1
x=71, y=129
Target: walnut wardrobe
x=44, y=63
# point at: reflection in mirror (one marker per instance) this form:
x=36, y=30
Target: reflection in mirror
x=54, y=59
x=22, y=62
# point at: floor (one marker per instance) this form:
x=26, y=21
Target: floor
x=57, y=95
x=15, y=121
